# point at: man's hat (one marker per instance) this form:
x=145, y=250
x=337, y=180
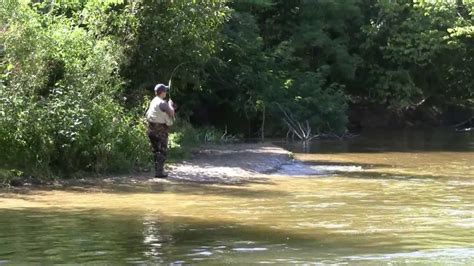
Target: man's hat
x=159, y=88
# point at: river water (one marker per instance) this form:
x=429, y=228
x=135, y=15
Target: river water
x=402, y=197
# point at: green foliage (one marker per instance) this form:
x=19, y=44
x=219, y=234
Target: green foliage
x=239, y=76
x=169, y=34
x=323, y=105
x=74, y=73
x=182, y=140
x=60, y=104
x=285, y=56
x=413, y=52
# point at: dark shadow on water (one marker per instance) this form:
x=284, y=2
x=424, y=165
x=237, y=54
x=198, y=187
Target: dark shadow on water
x=234, y=190
x=94, y=235
x=331, y=163
x=197, y=189
x=377, y=141
x=390, y=176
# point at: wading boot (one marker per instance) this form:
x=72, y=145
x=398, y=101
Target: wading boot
x=161, y=175
x=159, y=165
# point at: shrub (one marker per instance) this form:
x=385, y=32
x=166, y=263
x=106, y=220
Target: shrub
x=60, y=105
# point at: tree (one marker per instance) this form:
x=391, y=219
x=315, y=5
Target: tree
x=169, y=34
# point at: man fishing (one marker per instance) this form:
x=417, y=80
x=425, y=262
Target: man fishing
x=160, y=116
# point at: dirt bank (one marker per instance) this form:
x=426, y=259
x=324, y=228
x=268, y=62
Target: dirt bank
x=214, y=164
x=220, y=164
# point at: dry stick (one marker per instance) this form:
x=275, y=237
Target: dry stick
x=291, y=126
x=225, y=133
x=296, y=127
x=463, y=122
x=287, y=119
x=301, y=129
x=293, y=130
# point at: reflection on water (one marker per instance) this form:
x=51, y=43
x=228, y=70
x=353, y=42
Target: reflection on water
x=402, y=202
x=394, y=141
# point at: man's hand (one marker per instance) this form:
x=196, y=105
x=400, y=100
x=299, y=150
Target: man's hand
x=172, y=108
x=172, y=104
x=170, y=112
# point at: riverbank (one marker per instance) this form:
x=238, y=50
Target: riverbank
x=211, y=164
x=219, y=164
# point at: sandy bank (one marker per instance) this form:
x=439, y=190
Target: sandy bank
x=211, y=164
x=231, y=163
x=214, y=164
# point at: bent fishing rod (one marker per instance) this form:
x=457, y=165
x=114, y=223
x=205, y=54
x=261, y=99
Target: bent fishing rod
x=172, y=74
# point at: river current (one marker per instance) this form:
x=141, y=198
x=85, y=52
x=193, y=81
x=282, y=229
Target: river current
x=402, y=197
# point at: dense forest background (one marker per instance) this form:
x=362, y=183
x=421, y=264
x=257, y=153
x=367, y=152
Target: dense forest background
x=76, y=75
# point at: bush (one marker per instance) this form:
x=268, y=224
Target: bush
x=59, y=99
x=184, y=138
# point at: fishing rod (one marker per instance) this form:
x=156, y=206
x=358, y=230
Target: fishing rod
x=170, y=102
x=172, y=74
x=178, y=66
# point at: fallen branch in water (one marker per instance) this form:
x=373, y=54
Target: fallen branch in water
x=303, y=130
x=467, y=121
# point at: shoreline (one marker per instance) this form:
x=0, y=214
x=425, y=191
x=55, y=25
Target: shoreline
x=231, y=163
x=227, y=164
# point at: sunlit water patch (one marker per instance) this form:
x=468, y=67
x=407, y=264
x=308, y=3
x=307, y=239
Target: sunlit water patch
x=300, y=169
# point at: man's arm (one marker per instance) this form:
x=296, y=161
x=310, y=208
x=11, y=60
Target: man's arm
x=167, y=109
